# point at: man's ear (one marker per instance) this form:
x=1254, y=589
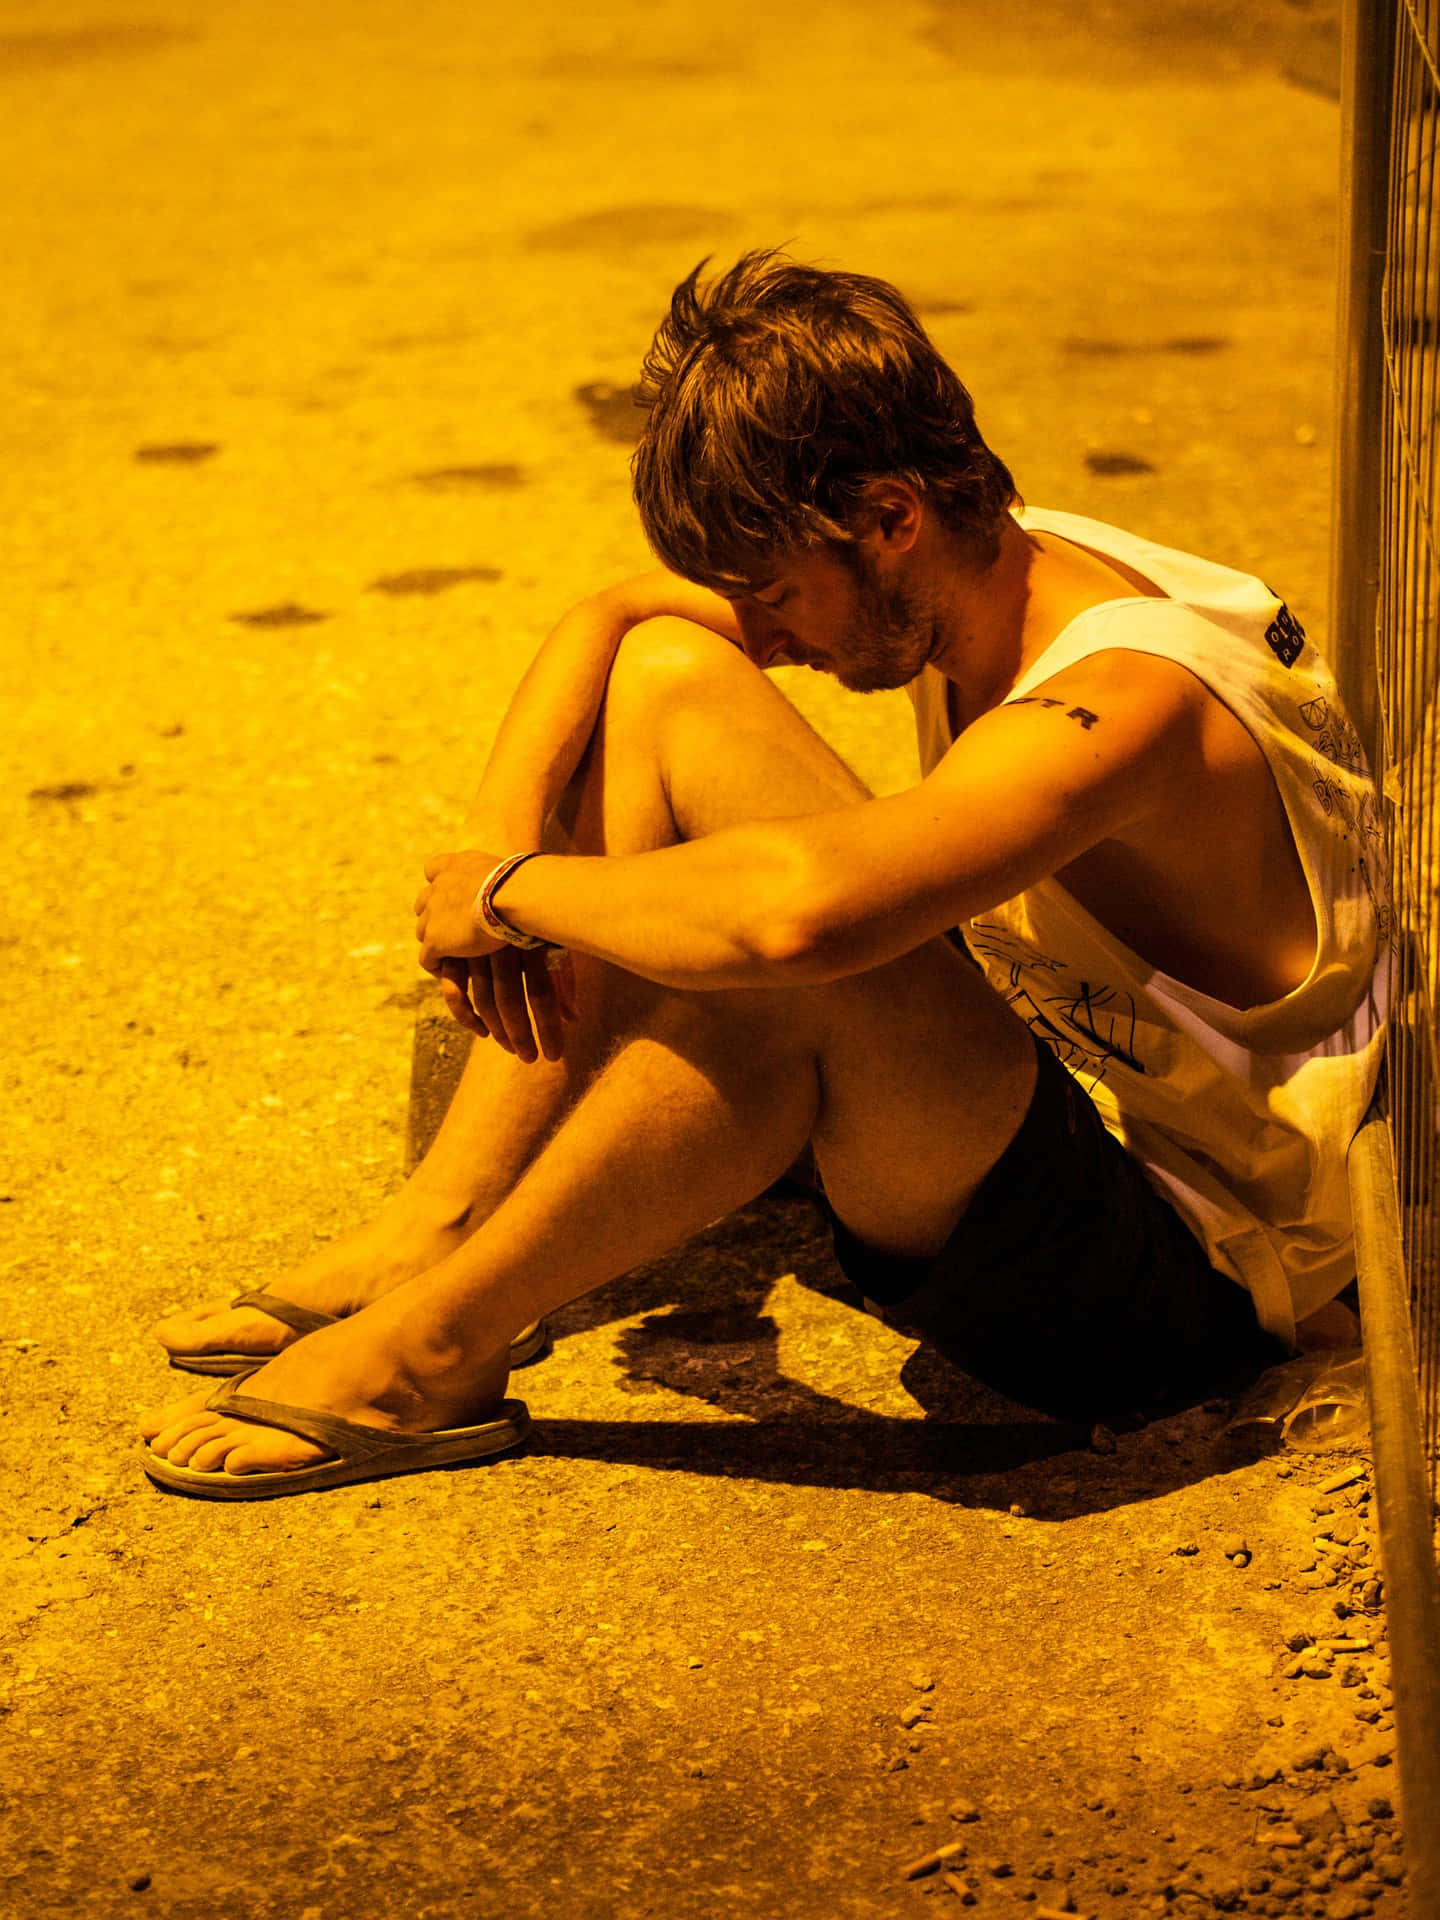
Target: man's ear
x=891, y=515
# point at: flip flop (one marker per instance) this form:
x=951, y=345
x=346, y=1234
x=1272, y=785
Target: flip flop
x=365, y=1453
x=529, y=1344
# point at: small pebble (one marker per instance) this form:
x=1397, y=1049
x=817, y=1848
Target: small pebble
x=1102, y=1440
x=998, y=1869
x=1379, y=1808
x=1188, y=1549
x=1234, y=1543
x=138, y=1882
x=964, y=1811
x=922, y=1681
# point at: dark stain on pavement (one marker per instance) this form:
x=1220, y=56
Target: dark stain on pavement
x=613, y=228
x=496, y=476
x=590, y=66
x=287, y=614
x=1099, y=349
x=432, y=579
x=41, y=47
x=615, y=412
x=66, y=790
x=417, y=342
x=1111, y=465
x=1172, y=43
x=179, y=453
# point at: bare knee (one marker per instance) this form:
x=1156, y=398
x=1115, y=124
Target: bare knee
x=665, y=672
x=661, y=658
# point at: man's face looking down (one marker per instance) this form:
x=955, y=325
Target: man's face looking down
x=855, y=617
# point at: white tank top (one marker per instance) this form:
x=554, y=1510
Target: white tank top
x=1241, y=1118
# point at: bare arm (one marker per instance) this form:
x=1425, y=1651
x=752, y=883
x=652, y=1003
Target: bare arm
x=513, y=999
x=553, y=713
x=1027, y=789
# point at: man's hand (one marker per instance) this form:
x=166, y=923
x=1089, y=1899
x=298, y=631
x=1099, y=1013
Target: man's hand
x=445, y=923
x=519, y=999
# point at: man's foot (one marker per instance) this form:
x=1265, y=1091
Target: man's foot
x=368, y=1369
x=335, y=1280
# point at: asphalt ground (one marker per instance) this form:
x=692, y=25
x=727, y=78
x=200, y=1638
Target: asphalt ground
x=319, y=327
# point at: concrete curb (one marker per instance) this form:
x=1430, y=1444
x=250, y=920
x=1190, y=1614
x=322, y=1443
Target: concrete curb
x=437, y=1060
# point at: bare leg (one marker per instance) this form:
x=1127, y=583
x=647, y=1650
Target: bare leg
x=692, y=739
x=910, y=1080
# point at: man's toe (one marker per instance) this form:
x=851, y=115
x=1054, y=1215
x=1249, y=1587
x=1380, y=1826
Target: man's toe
x=212, y=1455
x=177, y=1415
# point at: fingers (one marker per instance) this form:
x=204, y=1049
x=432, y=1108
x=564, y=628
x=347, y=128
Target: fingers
x=562, y=978
x=546, y=1009
x=512, y=998
x=454, y=985
x=482, y=999
x=508, y=979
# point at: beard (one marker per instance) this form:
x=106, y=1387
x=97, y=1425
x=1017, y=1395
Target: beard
x=892, y=633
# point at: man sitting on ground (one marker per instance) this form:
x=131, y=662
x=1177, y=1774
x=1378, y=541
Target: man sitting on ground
x=1093, y=1168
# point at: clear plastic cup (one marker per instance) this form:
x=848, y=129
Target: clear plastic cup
x=1316, y=1401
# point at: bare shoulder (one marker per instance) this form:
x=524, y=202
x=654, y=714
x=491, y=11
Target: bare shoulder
x=1143, y=688
x=1116, y=712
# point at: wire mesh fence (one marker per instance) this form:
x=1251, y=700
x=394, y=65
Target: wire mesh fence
x=1407, y=657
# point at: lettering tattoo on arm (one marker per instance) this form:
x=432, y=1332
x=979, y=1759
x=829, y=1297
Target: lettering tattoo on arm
x=1086, y=718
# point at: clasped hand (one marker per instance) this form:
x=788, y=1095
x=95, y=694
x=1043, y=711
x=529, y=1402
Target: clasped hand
x=519, y=999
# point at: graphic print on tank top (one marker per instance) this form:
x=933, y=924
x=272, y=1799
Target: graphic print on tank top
x=1086, y=1026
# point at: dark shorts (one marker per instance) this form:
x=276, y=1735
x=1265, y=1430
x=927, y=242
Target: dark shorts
x=1071, y=1284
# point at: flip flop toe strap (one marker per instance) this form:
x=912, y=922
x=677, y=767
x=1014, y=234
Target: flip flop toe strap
x=343, y=1437
x=301, y=1319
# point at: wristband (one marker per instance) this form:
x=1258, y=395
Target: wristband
x=486, y=915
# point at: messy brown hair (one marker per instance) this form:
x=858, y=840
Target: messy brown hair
x=778, y=395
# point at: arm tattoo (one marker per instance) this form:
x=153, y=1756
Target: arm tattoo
x=1086, y=718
